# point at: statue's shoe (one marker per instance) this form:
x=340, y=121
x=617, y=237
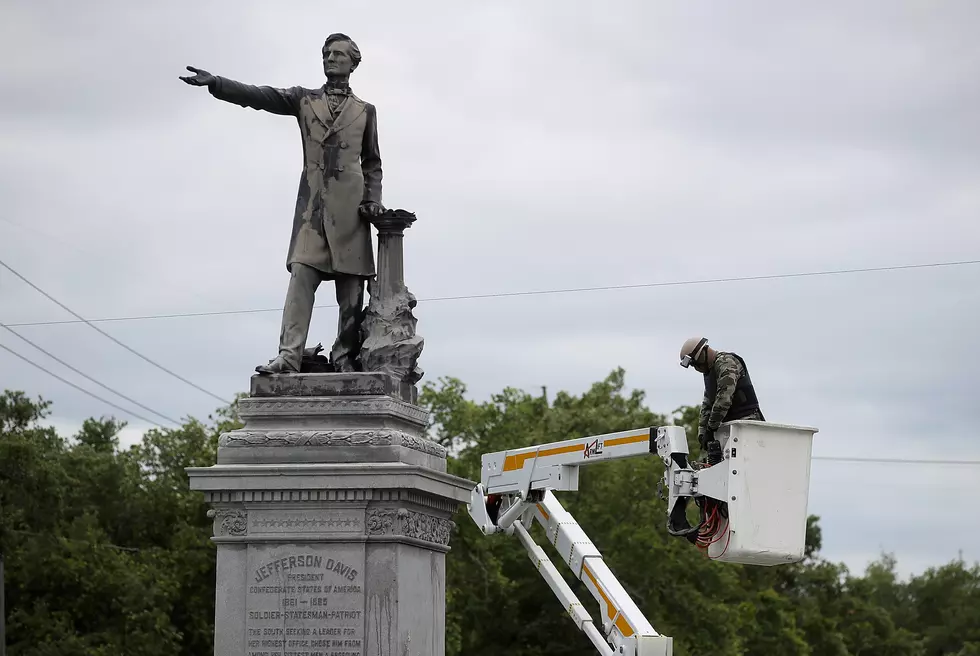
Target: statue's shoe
x=277, y=366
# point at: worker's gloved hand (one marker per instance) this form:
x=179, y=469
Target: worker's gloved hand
x=704, y=436
x=714, y=454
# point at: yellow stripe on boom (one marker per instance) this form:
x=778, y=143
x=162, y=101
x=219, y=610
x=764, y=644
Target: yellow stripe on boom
x=517, y=460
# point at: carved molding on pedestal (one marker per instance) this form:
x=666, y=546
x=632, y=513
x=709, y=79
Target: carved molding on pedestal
x=412, y=524
x=423, y=445
x=306, y=438
x=229, y=521
x=306, y=523
x=336, y=498
x=287, y=438
x=379, y=522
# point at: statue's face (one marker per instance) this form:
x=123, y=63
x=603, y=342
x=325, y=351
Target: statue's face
x=337, y=61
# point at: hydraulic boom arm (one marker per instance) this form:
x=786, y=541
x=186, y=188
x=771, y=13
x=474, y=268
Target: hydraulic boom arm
x=756, y=497
x=516, y=489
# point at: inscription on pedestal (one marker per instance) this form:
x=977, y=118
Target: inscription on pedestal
x=305, y=600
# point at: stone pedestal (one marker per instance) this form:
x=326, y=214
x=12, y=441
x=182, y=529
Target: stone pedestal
x=332, y=520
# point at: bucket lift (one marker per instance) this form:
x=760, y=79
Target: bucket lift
x=753, y=507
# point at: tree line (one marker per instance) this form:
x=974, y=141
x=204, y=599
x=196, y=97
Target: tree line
x=107, y=550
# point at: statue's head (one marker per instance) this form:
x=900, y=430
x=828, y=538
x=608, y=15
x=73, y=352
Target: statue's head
x=340, y=56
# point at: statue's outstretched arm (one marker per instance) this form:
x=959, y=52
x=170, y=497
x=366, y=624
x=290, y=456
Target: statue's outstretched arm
x=263, y=98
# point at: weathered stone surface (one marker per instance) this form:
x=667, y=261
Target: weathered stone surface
x=390, y=343
x=353, y=553
x=332, y=515
x=332, y=384
x=299, y=446
x=334, y=408
x=306, y=599
x=356, y=419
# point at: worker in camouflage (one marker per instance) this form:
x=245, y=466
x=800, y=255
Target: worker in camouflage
x=728, y=391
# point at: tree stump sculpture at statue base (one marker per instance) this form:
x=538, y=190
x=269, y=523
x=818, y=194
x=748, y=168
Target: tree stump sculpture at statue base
x=390, y=341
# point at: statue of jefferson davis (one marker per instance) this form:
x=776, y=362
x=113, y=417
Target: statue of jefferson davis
x=339, y=191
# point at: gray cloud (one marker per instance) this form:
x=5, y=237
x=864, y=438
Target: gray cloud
x=543, y=147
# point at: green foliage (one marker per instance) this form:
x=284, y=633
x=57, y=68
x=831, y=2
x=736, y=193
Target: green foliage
x=107, y=550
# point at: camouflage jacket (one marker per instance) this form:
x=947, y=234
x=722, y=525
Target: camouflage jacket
x=728, y=370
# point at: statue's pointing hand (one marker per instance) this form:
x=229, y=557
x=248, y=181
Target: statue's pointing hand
x=201, y=78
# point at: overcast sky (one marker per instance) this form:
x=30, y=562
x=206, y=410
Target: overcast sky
x=543, y=145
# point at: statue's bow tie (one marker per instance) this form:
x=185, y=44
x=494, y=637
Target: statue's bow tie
x=338, y=91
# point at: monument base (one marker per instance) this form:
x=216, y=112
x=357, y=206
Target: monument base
x=332, y=517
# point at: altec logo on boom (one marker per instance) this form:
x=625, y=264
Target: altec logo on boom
x=592, y=449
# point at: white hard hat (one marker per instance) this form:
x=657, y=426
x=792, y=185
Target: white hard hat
x=691, y=349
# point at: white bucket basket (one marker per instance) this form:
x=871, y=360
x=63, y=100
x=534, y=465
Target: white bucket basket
x=768, y=482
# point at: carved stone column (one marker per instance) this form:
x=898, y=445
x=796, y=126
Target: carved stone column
x=332, y=517
x=391, y=344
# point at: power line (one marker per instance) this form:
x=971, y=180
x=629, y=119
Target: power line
x=541, y=292
x=85, y=375
x=80, y=389
x=910, y=461
x=99, y=330
x=904, y=461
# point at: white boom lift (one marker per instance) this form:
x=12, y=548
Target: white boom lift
x=753, y=507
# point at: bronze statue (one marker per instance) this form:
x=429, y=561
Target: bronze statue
x=339, y=193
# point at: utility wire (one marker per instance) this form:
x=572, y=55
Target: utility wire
x=80, y=389
x=677, y=283
x=904, y=461
x=85, y=375
x=541, y=292
x=99, y=330
x=910, y=461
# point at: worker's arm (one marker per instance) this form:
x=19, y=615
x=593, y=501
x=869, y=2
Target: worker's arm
x=729, y=371
x=703, y=419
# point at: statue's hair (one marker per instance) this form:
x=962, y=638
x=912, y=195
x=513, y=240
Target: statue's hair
x=355, y=52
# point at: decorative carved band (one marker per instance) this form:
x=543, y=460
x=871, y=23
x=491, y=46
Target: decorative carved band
x=306, y=438
x=341, y=496
x=350, y=523
x=287, y=494
x=279, y=407
x=229, y=521
x=412, y=524
x=423, y=445
x=380, y=522
x=416, y=497
x=378, y=437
